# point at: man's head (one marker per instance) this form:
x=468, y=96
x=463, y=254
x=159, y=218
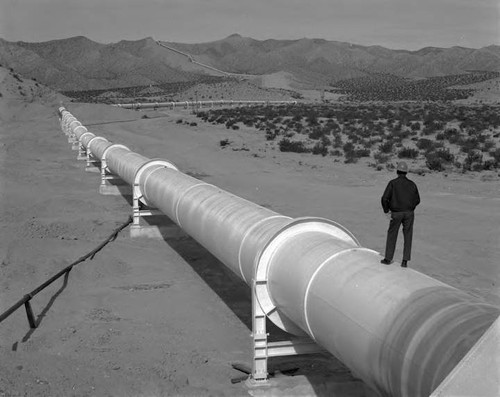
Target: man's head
x=402, y=168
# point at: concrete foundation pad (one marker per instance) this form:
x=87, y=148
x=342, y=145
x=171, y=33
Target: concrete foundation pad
x=310, y=385
x=115, y=190
x=75, y=147
x=92, y=169
x=81, y=158
x=157, y=231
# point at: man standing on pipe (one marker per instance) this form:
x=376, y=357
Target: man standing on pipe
x=399, y=201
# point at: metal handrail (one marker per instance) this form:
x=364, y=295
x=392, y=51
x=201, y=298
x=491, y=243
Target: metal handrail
x=25, y=300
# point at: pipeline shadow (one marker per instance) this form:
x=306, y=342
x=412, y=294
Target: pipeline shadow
x=322, y=371
x=233, y=291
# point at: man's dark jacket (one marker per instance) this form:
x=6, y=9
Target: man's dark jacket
x=401, y=194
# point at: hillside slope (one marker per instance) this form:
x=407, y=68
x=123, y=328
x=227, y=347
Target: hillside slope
x=17, y=91
x=81, y=64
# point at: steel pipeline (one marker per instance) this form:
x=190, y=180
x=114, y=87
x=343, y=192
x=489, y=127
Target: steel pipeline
x=199, y=104
x=397, y=329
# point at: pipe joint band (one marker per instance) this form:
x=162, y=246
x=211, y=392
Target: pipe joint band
x=75, y=121
x=137, y=186
x=265, y=258
x=113, y=146
x=80, y=127
x=86, y=134
x=96, y=139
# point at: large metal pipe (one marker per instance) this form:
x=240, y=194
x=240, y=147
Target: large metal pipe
x=199, y=104
x=397, y=329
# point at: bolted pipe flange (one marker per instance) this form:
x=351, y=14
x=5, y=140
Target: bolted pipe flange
x=137, y=192
x=265, y=257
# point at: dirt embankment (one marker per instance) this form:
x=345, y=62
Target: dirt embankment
x=149, y=317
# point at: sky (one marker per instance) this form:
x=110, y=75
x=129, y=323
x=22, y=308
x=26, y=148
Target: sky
x=395, y=24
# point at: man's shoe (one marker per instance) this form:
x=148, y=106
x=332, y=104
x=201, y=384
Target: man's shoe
x=386, y=261
x=404, y=263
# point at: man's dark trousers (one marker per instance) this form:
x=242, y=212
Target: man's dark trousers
x=406, y=218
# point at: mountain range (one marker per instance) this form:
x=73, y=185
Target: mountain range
x=78, y=63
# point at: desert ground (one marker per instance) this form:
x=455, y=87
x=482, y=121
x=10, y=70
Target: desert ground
x=151, y=317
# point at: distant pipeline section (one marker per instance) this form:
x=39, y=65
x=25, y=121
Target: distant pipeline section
x=200, y=104
x=399, y=330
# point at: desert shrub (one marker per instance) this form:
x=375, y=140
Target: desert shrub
x=488, y=145
x=271, y=135
x=235, y=127
x=468, y=145
x=473, y=161
x=312, y=117
x=336, y=153
x=496, y=155
x=408, y=153
x=429, y=130
x=320, y=148
x=224, y=142
x=452, y=135
x=316, y=133
x=381, y=157
x=445, y=155
x=286, y=145
x=248, y=122
x=367, y=144
x=415, y=126
x=351, y=157
x=337, y=141
x=425, y=144
x=489, y=165
x=193, y=124
x=386, y=147
x=348, y=147
x=362, y=152
x=179, y=121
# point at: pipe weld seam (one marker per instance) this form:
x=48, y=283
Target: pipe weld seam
x=176, y=209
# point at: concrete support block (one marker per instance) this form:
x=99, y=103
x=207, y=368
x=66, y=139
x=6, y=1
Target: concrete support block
x=115, y=190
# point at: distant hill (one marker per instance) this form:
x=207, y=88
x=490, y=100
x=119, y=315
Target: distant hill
x=322, y=60
x=81, y=64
